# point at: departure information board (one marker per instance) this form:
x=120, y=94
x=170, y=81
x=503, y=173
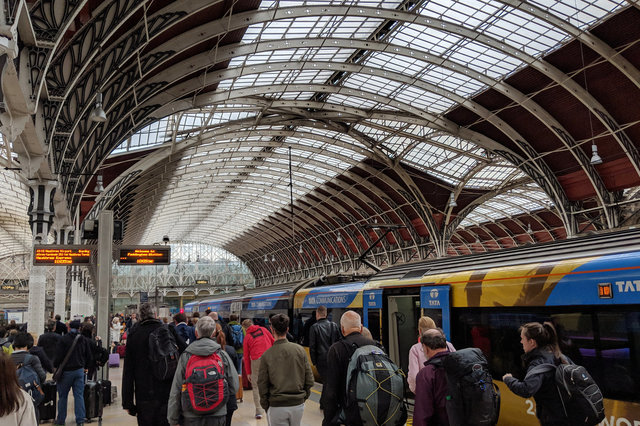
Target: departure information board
x=144, y=255
x=52, y=255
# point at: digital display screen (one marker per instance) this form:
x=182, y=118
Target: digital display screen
x=144, y=255
x=52, y=255
x=604, y=291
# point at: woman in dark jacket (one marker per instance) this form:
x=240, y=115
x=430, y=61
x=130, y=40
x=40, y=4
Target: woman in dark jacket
x=232, y=403
x=540, y=344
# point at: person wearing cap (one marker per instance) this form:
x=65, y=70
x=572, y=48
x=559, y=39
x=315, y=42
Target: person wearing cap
x=73, y=372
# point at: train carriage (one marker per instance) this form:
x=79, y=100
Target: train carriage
x=590, y=288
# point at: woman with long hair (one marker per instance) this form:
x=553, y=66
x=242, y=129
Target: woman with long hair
x=232, y=403
x=417, y=357
x=540, y=344
x=16, y=406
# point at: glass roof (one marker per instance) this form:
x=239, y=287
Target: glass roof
x=415, y=66
x=233, y=180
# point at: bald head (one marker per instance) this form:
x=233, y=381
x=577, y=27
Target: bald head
x=433, y=341
x=350, y=322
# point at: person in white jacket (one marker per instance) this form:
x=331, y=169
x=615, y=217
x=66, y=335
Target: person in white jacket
x=17, y=408
x=116, y=327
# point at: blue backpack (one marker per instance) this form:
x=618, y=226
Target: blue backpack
x=236, y=334
x=29, y=381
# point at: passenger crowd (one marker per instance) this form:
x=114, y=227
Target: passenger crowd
x=191, y=371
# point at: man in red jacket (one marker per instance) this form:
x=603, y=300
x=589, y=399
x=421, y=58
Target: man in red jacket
x=256, y=342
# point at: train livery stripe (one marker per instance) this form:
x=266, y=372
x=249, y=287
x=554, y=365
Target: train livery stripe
x=334, y=296
x=568, y=282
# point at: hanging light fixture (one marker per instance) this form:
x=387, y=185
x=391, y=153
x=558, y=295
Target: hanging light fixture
x=529, y=230
x=452, y=200
x=265, y=258
x=273, y=258
x=339, y=239
x=595, y=158
x=300, y=250
x=97, y=114
x=99, y=186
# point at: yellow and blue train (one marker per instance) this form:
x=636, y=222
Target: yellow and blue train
x=588, y=287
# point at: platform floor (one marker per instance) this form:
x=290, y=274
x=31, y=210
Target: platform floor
x=114, y=414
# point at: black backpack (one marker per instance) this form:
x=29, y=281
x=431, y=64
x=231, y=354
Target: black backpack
x=581, y=397
x=163, y=353
x=472, y=397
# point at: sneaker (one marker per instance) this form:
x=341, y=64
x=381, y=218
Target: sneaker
x=258, y=416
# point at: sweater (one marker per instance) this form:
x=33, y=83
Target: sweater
x=285, y=377
x=416, y=363
x=25, y=415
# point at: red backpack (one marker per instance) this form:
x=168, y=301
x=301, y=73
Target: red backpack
x=205, y=388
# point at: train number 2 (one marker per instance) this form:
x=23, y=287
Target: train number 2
x=530, y=407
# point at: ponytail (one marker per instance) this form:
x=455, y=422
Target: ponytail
x=552, y=339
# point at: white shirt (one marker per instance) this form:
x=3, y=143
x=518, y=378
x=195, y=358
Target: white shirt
x=24, y=416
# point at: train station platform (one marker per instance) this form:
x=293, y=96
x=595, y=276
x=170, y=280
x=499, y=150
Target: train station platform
x=114, y=414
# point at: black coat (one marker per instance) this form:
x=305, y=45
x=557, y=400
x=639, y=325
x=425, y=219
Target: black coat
x=49, y=342
x=137, y=379
x=542, y=387
x=334, y=389
x=45, y=361
x=322, y=335
x=60, y=328
x=81, y=357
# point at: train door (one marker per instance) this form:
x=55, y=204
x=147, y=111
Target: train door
x=372, y=313
x=404, y=312
x=434, y=303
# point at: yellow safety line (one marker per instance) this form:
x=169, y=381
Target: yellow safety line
x=315, y=391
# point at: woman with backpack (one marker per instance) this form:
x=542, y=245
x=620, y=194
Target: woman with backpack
x=540, y=344
x=16, y=406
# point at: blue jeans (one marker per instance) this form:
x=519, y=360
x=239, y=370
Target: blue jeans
x=71, y=379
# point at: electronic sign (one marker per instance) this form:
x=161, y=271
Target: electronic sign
x=144, y=255
x=202, y=282
x=604, y=291
x=59, y=255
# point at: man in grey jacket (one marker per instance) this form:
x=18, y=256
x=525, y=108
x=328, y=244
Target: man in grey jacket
x=204, y=346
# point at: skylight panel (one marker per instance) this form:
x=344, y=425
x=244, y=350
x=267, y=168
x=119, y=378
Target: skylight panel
x=374, y=84
x=580, y=13
x=352, y=101
x=484, y=59
x=424, y=100
x=425, y=39
x=469, y=12
x=397, y=63
x=458, y=166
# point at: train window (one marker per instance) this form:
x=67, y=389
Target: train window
x=605, y=342
x=619, y=372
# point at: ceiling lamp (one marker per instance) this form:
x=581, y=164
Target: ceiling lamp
x=452, y=200
x=595, y=158
x=97, y=114
x=99, y=186
x=529, y=230
x=273, y=258
x=339, y=239
x=300, y=249
x=265, y=258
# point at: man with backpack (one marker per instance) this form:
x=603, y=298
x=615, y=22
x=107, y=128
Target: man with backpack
x=322, y=336
x=31, y=375
x=205, y=379
x=355, y=394
x=153, y=349
x=237, y=334
x=284, y=386
x=431, y=382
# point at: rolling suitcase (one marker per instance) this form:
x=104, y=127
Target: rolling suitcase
x=239, y=394
x=121, y=350
x=114, y=360
x=49, y=403
x=106, y=390
x=93, y=402
x=245, y=383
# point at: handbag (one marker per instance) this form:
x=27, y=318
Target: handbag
x=58, y=373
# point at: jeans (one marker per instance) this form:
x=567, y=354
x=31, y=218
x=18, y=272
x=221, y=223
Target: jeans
x=71, y=379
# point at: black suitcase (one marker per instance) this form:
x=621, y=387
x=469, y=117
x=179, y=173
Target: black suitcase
x=49, y=404
x=93, y=403
x=106, y=391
